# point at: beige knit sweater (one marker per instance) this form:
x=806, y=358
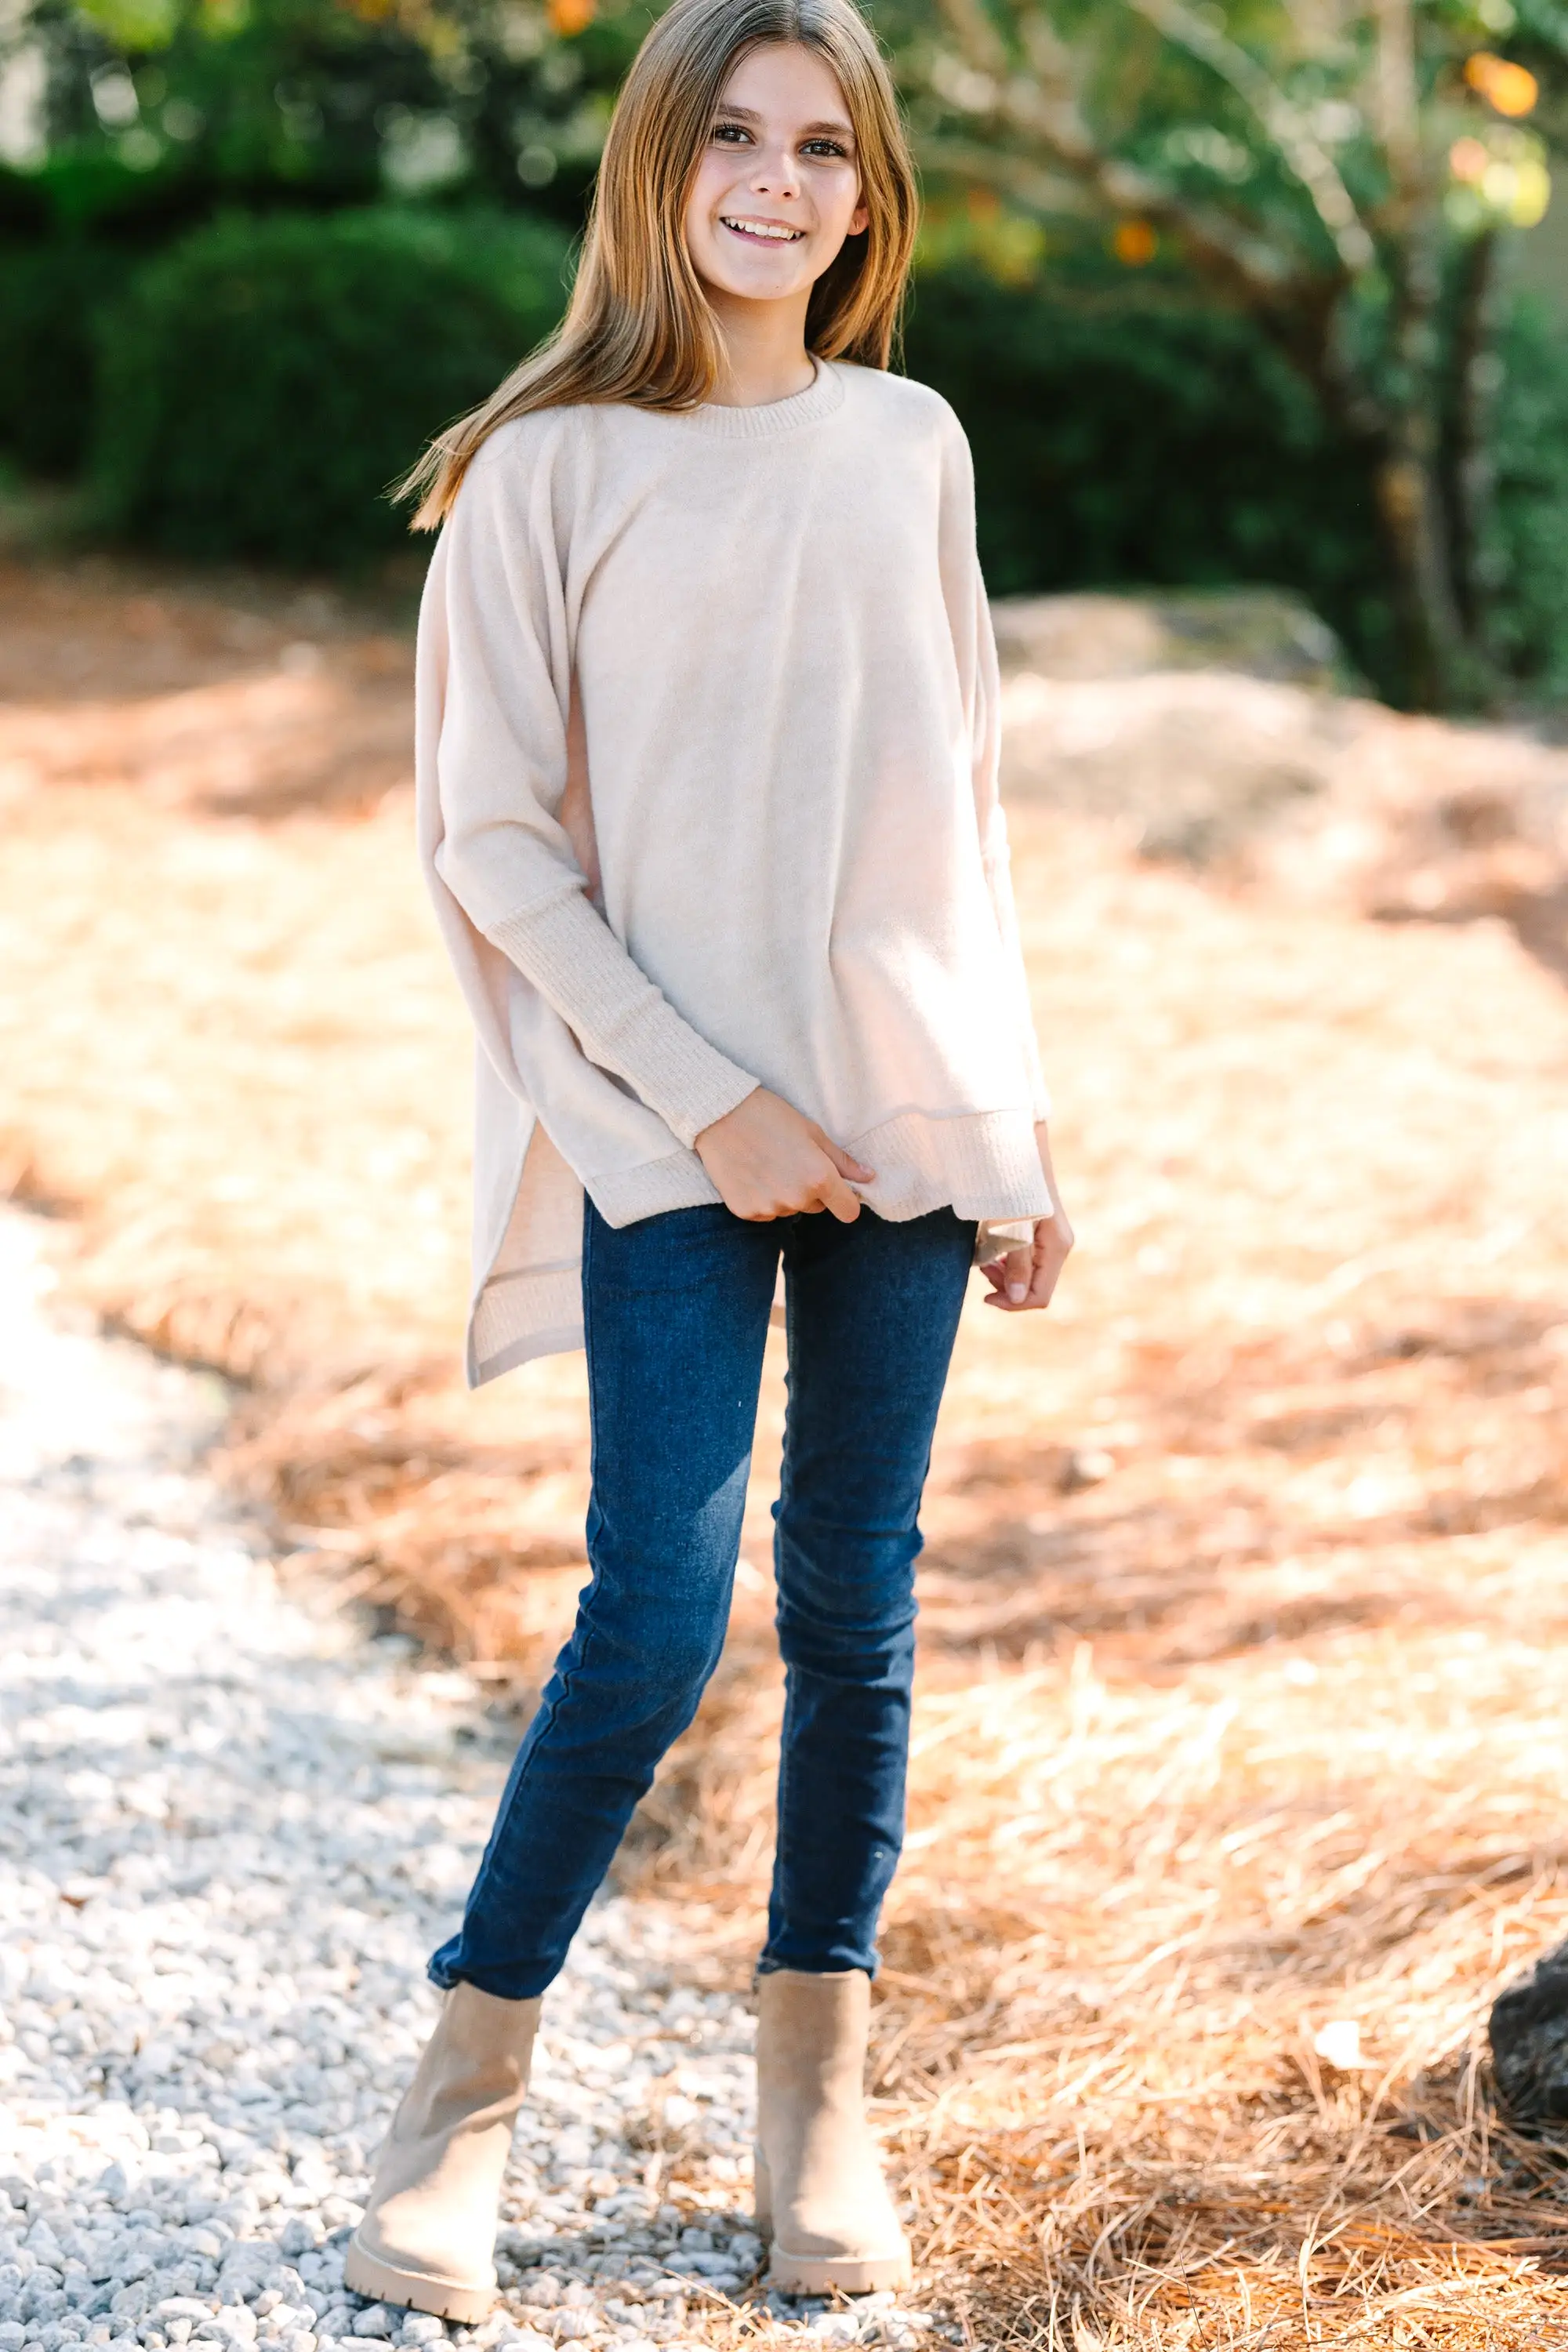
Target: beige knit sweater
x=707, y=782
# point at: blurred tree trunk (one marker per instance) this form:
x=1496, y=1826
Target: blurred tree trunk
x=1406, y=482
x=1471, y=473
x=1408, y=487
x=1439, y=660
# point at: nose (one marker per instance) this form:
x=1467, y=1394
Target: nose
x=776, y=172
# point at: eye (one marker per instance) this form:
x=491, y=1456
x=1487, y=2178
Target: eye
x=824, y=147
x=730, y=133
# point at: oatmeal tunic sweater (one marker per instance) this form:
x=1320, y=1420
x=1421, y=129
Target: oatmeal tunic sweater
x=707, y=788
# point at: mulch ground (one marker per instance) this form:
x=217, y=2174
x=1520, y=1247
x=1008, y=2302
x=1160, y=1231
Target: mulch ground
x=1238, y=1784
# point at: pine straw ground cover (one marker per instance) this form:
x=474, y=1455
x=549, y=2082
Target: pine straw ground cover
x=1238, y=1783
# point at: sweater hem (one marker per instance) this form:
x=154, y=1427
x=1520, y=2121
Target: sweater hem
x=516, y=1314
x=677, y=1180
x=983, y=1165
x=552, y=1340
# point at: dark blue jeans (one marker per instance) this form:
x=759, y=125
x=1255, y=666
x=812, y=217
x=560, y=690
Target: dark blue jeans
x=676, y=1309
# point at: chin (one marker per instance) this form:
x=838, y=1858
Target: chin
x=760, y=286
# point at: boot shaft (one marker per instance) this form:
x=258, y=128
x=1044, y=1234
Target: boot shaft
x=812, y=2032
x=475, y=2066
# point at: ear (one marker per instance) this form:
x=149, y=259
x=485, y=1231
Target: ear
x=860, y=221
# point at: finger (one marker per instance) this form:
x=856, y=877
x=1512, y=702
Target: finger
x=1051, y=1247
x=1039, y=1265
x=1019, y=1265
x=835, y=1195
x=847, y=1163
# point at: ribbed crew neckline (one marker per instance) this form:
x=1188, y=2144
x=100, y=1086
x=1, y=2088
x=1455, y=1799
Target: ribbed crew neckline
x=760, y=423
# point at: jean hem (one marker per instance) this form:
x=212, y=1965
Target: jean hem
x=839, y=1966
x=446, y=1980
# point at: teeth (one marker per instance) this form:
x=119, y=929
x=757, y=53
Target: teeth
x=762, y=228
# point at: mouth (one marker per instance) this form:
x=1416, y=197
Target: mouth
x=762, y=232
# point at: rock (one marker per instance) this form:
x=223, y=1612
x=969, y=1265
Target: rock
x=190, y=2159
x=1529, y=2034
x=1263, y=632
x=232, y=2322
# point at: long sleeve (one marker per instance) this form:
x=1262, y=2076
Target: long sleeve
x=501, y=764
x=974, y=642
x=758, y=637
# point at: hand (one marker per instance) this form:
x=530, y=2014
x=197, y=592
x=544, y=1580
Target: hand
x=1027, y=1276
x=769, y=1161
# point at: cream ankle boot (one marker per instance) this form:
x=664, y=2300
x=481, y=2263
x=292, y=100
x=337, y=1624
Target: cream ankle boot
x=429, y=2234
x=820, y=2192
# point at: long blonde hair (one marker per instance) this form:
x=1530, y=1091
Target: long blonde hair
x=638, y=327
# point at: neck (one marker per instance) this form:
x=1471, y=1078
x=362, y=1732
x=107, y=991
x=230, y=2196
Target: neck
x=765, y=358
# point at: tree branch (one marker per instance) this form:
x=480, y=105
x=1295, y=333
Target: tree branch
x=1253, y=270
x=1302, y=151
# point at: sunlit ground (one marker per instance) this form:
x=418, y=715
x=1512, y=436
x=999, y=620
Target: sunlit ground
x=1239, y=1780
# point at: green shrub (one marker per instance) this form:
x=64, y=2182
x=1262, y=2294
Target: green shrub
x=1124, y=442
x=1133, y=442
x=51, y=297
x=265, y=380
x=1530, y=558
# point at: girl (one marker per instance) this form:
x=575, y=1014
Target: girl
x=707, y=773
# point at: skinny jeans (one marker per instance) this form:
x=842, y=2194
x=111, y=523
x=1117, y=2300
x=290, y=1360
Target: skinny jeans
x=675, y=1313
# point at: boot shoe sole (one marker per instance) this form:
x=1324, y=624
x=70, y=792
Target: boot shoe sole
x=367, y=2275
x=851, y=2273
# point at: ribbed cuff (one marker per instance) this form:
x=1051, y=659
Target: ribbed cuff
x=619, y=1017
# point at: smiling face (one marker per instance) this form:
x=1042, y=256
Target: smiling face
x=777, y=189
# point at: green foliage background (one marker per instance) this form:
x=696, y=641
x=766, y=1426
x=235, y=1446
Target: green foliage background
x=268, y=246
x=263, y=383
x=1121, y=439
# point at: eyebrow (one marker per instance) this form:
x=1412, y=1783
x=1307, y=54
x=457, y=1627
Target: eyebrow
x=807, y=131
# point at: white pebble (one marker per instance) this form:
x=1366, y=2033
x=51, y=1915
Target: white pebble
x=232, y=1828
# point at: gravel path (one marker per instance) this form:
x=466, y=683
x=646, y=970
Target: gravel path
x=231, y=1828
